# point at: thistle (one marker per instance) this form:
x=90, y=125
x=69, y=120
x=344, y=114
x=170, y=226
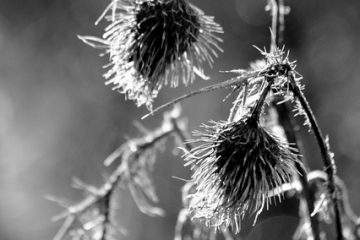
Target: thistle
x=236, y=167
x=155, y=42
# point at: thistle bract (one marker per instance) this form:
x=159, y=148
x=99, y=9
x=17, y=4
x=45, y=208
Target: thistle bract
x=155, y=42
x=236, y=167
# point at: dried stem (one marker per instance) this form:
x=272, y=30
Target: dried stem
x=284, y=110
x=129, y=153
x=102, y=194
x=278, y=23
x=328, y=162
x=290, y=131
x=107, y=220
x=182, y=134
x=226, y=84
x=260, y=103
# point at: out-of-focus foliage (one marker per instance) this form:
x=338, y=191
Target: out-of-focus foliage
x=58, y=120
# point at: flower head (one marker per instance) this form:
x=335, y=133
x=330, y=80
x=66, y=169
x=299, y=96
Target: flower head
x=155, y=42
x=236, y=167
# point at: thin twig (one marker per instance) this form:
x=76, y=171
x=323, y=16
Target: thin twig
x=107, y=220
x=182, y=134
x=225, y=84
x=328, y=162
x=101, y=197
x=278, y=23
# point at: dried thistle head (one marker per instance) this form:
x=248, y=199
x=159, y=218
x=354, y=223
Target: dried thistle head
x=155, y=42
x=236, y=167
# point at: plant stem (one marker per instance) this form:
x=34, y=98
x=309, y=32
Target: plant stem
x=236, y=106
x=278, y=23
x=181, y=134
x=284, y=110
x=291, y=134
x=256, y=112
x=328, y=162
x=106, y=222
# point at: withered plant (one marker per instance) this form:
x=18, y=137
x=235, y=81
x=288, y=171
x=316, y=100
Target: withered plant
x=241, y=165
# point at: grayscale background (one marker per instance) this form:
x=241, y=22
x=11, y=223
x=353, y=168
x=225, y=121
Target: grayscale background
x=58, y=119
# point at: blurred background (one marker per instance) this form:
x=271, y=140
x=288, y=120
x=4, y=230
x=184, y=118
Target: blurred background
x=58, y=119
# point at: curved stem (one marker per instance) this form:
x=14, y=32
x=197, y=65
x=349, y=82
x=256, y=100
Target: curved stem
x=328, y=162
x=290, y=129
x=283, y=110
x=238, y=81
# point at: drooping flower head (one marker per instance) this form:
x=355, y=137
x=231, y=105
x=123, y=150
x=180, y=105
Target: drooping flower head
x=236, y=167
x=155, y=42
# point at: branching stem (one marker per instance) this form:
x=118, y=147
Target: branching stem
x=290, y=131
x=328, y=162
x=102, y=196
x=283, y=110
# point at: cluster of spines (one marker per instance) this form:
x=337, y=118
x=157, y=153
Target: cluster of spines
x=152, y=43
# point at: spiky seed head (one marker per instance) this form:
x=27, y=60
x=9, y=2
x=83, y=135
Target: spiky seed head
x=155, y=42
x=164, y=31
x=236, y=167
